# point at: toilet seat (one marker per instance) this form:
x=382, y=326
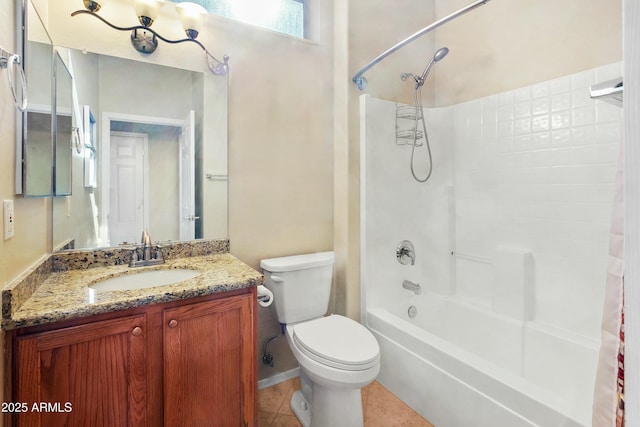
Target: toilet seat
x=337, y=341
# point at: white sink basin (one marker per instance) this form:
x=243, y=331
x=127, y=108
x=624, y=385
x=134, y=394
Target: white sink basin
x=148, y=279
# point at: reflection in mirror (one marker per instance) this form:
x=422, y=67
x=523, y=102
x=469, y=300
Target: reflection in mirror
x=176, y=187
x=90, y=144
x=62, y=128
x=34, y=150
x=144, y=171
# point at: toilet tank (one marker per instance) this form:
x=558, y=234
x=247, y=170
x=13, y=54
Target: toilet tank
x=301, y=285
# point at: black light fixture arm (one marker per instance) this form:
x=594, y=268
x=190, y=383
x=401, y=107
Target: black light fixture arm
x=216, y=66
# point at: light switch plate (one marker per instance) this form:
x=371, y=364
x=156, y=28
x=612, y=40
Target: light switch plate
x=9, y=219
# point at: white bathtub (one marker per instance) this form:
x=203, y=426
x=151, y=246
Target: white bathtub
x=460, y=365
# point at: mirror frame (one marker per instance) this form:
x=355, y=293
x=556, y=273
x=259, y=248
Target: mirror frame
x=21, y=117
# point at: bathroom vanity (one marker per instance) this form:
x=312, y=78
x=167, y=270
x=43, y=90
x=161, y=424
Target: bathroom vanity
x=181, y=354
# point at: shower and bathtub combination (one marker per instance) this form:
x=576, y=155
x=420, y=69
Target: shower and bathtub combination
x=510, y=248
x=510, y=237
x=484, y=258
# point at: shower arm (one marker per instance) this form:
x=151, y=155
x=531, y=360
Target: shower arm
x=358, y=78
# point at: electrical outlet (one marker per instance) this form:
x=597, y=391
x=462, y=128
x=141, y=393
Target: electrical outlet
x=9, y=219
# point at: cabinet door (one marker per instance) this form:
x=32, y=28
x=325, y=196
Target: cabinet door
x=88, y=375
x=210, y=363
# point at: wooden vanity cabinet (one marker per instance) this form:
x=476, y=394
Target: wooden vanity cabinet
x=205, y=349
x=187, y=363
x=93, y=374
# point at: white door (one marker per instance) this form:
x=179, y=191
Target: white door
x=187, y=179
x=127, y=187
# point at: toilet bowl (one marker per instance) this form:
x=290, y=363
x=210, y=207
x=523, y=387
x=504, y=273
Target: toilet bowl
x=337, y=355
x=335, y=350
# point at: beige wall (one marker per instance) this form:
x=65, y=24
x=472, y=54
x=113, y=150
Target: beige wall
x=509, y=44
x=280, y=142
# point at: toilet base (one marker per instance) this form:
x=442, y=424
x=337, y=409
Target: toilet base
x=300, y=408
x=329, y=407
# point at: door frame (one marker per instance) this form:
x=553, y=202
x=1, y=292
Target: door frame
x=105, y=163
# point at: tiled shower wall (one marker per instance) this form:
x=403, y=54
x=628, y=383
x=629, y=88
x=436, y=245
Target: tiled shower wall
x=534, y=172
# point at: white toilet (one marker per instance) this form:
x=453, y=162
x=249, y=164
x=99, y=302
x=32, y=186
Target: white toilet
x=337, y=356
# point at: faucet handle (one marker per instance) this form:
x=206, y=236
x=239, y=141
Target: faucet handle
x=134, y=260
x=159, y=256
x=406, y=253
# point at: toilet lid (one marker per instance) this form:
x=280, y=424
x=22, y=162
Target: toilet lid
x=337, y=341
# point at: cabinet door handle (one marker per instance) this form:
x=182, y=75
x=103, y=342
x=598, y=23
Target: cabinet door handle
x=173, y=323
x=136, y=331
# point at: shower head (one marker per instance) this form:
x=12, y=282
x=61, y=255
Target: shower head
x=440, y=53
x=438, y=56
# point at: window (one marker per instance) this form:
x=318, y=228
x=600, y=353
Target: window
x=285, y=16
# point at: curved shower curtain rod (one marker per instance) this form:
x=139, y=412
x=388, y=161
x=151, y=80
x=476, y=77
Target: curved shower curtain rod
x=359, y=80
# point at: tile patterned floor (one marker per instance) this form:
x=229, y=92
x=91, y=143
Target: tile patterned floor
x=381, y=408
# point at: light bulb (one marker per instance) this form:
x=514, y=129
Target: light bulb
x=93, y=5
x=147, y=10
x=192, y=17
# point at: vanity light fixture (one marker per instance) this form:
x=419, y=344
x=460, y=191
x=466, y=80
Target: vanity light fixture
x=145, y=40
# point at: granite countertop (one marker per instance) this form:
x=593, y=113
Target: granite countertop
x=66, y=295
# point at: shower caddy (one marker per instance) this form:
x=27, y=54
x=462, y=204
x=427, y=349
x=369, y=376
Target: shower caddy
x=407, y=117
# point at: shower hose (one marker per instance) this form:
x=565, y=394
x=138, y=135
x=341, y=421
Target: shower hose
x=420, y=115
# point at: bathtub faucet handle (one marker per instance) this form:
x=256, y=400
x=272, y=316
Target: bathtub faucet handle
x=406, y=253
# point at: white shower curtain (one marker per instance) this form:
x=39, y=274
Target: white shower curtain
x=608, y=404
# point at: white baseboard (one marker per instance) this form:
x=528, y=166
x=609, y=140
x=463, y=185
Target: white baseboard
x=278, y=378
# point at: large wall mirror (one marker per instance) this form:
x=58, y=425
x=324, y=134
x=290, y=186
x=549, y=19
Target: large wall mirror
x=150, y=150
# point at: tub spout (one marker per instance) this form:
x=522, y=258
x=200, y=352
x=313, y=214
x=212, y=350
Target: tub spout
x=414, y=287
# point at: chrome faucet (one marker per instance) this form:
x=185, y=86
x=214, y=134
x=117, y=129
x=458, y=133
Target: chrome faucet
x=146, y=245
x=413, y=287
x=147, y=257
